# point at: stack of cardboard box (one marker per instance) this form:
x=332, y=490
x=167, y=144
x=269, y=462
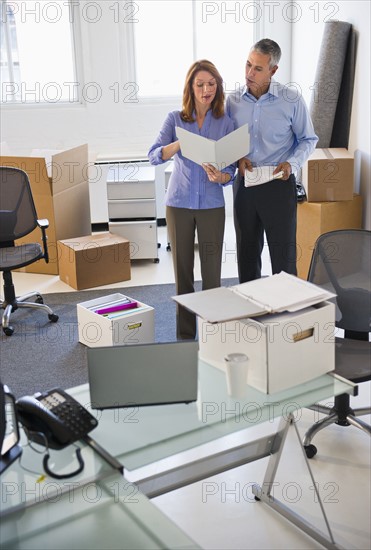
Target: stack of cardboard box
x=328, y=180
x=60, y=189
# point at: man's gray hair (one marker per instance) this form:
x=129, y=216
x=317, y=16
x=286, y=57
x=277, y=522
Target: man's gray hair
x=268, y=47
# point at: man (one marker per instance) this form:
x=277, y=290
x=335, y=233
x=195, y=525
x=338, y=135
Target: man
x=282, y=138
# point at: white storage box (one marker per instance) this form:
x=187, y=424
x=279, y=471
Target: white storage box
x=285, y=348
x=131, y=326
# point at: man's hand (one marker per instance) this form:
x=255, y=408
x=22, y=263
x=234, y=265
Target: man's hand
x=284, y=167
x=244, y=164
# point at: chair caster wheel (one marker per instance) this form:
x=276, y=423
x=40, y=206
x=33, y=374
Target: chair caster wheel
x=53, y=317
x=8, y=331
x=39, y=299
x=257, y=499
x=156, y=260
x=310, y=450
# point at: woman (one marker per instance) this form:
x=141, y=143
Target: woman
x=194, y=198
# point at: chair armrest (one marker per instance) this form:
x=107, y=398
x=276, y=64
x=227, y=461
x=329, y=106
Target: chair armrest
x=44, y=224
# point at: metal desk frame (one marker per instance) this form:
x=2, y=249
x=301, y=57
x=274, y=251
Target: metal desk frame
x=216, y=463
x=272, y=446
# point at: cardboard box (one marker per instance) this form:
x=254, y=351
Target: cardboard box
x=94, y=260
x=290, y=345
x=328, y=175
x=316, y=218
x=133, y=326
x=60, y=190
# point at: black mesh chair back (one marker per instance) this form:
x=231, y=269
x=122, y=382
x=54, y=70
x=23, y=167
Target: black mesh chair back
x=17, y=209
x=18, y=218
x=341, y=263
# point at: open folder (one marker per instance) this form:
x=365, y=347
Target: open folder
x=274, y=294
x=260, y=175
x=221, y=153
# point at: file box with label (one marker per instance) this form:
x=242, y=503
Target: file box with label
x=130, y=326
x=289, y=339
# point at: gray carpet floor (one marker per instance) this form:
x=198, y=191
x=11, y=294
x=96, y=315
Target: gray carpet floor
x=41, y=355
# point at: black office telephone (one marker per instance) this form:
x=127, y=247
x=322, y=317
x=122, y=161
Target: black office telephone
x=54, y=418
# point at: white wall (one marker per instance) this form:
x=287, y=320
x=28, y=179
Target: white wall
x=306, y=42
x=128, y=129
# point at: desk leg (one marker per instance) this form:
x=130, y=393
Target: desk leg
x=264, y=493
x=191, y=472
x=111, y=460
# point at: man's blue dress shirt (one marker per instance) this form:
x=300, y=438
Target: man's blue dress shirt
x=280, y=127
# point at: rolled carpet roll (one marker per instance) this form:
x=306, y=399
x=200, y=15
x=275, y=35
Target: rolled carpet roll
x=341, y=127
x=328, y=79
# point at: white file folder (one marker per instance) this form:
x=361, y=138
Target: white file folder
x=220, y=153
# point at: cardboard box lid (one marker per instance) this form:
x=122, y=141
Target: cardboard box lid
x=332, y=153
x=53, y=172
x=100, y=239
x=65, y=168
x=275, y=294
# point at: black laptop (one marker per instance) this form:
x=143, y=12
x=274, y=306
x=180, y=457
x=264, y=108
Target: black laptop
x=143, y=374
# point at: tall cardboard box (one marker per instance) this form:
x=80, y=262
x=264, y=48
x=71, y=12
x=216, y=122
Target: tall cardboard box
x=60, y=190
x=317, y=218
x=94, y=260
x=328, y=175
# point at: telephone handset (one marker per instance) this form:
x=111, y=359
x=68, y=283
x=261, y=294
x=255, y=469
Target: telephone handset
x=57, y=415
x=56, y=419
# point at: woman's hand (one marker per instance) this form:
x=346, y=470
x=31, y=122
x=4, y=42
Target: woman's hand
x=215, y=175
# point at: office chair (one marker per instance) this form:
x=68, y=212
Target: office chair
x=18, y=218
x=341, y=263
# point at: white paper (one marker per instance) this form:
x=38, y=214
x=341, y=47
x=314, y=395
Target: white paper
x=220, y=153
x=219, y=304
x=274, y=294
x=260, y=175
x=282, y=292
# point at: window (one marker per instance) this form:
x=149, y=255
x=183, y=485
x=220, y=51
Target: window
x=169, y=36
x=37, y=52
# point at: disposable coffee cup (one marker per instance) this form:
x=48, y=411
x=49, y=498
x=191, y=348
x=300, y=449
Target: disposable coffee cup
x=236, y=366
